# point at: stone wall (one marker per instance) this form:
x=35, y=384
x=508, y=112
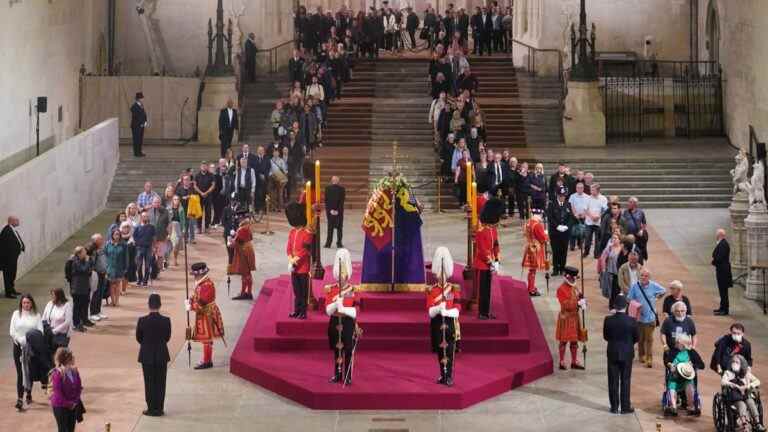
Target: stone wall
x=43, y=46
x=743, y=52
x=171, y=103
x=58, y=192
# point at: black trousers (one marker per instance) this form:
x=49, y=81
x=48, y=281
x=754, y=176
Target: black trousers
x=226, y=142
x=261, y=193
x=485, y=44
x=589, y=232
x=412, y=37
x=559, y=252
x=79, y=309
x=65, y=419
x=619, y=383
x=461, y=192
x=9, y=276
x=436, y=335
x=219, y=203
x=522, y=204
x=138, y=139
x=207, y=204
x=300, y=282
x=19, y=375
x=511, y=201
x=96, y=297
x=484, y=289
x=342, y=353
x=723, y=290
x=154, y=385
x=335, y=223
x=250, y=68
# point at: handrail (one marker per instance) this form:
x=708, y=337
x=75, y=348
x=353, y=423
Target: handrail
x=272, y=52
x=532, y=50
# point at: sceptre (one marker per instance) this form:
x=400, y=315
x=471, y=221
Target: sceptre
x=186, y=289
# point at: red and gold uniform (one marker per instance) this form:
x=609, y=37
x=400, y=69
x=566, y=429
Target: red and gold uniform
x=208, y=322
x=569, y=328
x=534, y=253
x=443, y=310
x=485, y=259
x=244, y=259
x=299, y=249
x=342, y=327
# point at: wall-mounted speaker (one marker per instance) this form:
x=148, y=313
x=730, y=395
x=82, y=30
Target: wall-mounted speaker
x=42, y=104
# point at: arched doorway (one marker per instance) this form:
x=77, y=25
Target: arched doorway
x=713, y=32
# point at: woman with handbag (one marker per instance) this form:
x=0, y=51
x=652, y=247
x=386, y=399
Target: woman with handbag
x=116, y=252
x=23, y=320
x=66, y=391
x=57, y=319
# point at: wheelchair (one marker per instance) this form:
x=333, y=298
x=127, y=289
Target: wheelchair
x=725, y=415
x=682, y=397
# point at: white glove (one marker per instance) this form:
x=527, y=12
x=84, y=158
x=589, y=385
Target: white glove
x=187, y=305
x=583, y=304
x=495, y=267
x=233, y=194
x=349, y=311
x=562, y=228
x=434, y=311
x=450, y=313
x=331, y=308
x=232, y=233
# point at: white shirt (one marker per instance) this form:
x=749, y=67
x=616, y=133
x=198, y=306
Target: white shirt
x=21, y=323
x=633, y=275
x=595, y=207
x=230, y=112
x=59, y=317
x=578, y=203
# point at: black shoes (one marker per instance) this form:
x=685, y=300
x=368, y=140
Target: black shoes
x=19, y=405
x=327, y=245
x=720, y=312
x=339, y=245
x=10, y=295
x=629, y=410
x=88, y=323
x=614, y=410
x=534, y=294
x=576, y=366
x=151, y=413
x=335, y=379
x=302, y=316
x=202, y=366
x=293, y=315
x=244, y=296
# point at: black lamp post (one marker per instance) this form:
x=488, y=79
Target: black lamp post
x=584, y=69
x=219, y=66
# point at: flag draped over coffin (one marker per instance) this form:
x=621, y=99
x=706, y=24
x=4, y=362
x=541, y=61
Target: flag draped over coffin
x=385, y=229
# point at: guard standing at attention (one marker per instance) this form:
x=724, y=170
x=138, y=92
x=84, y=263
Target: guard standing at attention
x=342, y=325
x=299, y=251
x=534, y=254
x=569, y=328
x=208, y=322
x=443, y=309
x=486, y=259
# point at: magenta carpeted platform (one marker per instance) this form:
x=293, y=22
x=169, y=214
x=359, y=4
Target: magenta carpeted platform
x=394, y=367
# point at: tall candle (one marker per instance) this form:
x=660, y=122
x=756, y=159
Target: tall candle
x=317, y=181
x=474, y=204
x=469, y=184
x=308, y=201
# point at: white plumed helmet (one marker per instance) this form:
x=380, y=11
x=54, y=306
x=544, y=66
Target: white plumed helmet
x=342, y=264
x=442, y=263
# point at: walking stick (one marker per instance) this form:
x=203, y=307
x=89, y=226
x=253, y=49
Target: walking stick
x=546, y=264
x=186, y=288
x=583, y=310
x=267, y=231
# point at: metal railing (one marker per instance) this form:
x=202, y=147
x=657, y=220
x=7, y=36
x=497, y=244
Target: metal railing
x=631, y=67
x=535, y=53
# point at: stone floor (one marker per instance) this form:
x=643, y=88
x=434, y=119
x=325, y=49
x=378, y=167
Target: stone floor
x=214, y=399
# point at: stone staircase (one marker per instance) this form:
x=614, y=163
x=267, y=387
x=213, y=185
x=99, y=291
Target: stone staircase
x=258, y=102
x=162, y=165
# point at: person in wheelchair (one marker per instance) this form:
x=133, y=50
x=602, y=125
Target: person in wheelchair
x=682, y=361
x=740, y=390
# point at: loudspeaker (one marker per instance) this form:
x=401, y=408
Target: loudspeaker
x=761, y=151
x=42, y=104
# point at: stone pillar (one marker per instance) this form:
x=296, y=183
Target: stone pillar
x=218, y=90
x=583, y=119
x=757, y=250
x=739, y=210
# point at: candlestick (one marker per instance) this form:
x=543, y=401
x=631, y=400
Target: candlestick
x=469, y=184
x=474, y=204
x=317, y=181
x=308, y=201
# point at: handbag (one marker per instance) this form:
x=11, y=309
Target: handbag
x=424, y=35
x=194, y=211
x=655, y=315
x=79, y=411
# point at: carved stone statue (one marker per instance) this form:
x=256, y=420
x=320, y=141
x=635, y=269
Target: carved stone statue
x=740, y=173
x=757, y=189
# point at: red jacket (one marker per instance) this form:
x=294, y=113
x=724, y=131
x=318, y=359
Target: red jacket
x=435, y=297
x=300, y=246
x=333, y=293
x=205, y=293
x=486, y=247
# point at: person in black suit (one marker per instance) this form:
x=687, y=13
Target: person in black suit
x=486, y=31
x=138, y=124
x=228, y=124
x=476, y=22
x=620, y=331
x=559, y=217
x=296, y=68
x=261, y=168
x=250, y=57
x=245, y=152
x=153, y=331
x=411, y=25
x=463, y=26
x=721, y=259
x=334, y=210
x=11, y=246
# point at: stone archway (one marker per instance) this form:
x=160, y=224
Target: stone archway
x=713, y=32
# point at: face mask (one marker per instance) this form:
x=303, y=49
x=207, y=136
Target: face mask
x=737, y=337
x=736, y=367
x=677, y=318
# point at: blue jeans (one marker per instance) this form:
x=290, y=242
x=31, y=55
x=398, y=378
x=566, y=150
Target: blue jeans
x=143, y=263
x=189, y=235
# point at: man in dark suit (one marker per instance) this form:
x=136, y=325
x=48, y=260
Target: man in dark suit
x=261, y=169
x=138, y=124
x=296, y=68
x=463, y=26
x=721, y=259
x=334, y=211
x=11, y=246
x=620, y=331
x=559, y=219
x=228, y=124
x=250, y=57
x=153, y=331
x=476, y=22
x=411, y=25
x=245, y=152
x=486, y=31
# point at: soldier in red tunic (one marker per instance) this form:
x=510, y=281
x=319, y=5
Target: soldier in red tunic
x=298, y=249
x=208, y=322
x=569, y=329
x=534, y=254
x=342, y=325
x=443, y=309
x=486, y=257
x=243, y=259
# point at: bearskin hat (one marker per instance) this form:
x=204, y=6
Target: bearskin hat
x=296, y=214
x=492, y=211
